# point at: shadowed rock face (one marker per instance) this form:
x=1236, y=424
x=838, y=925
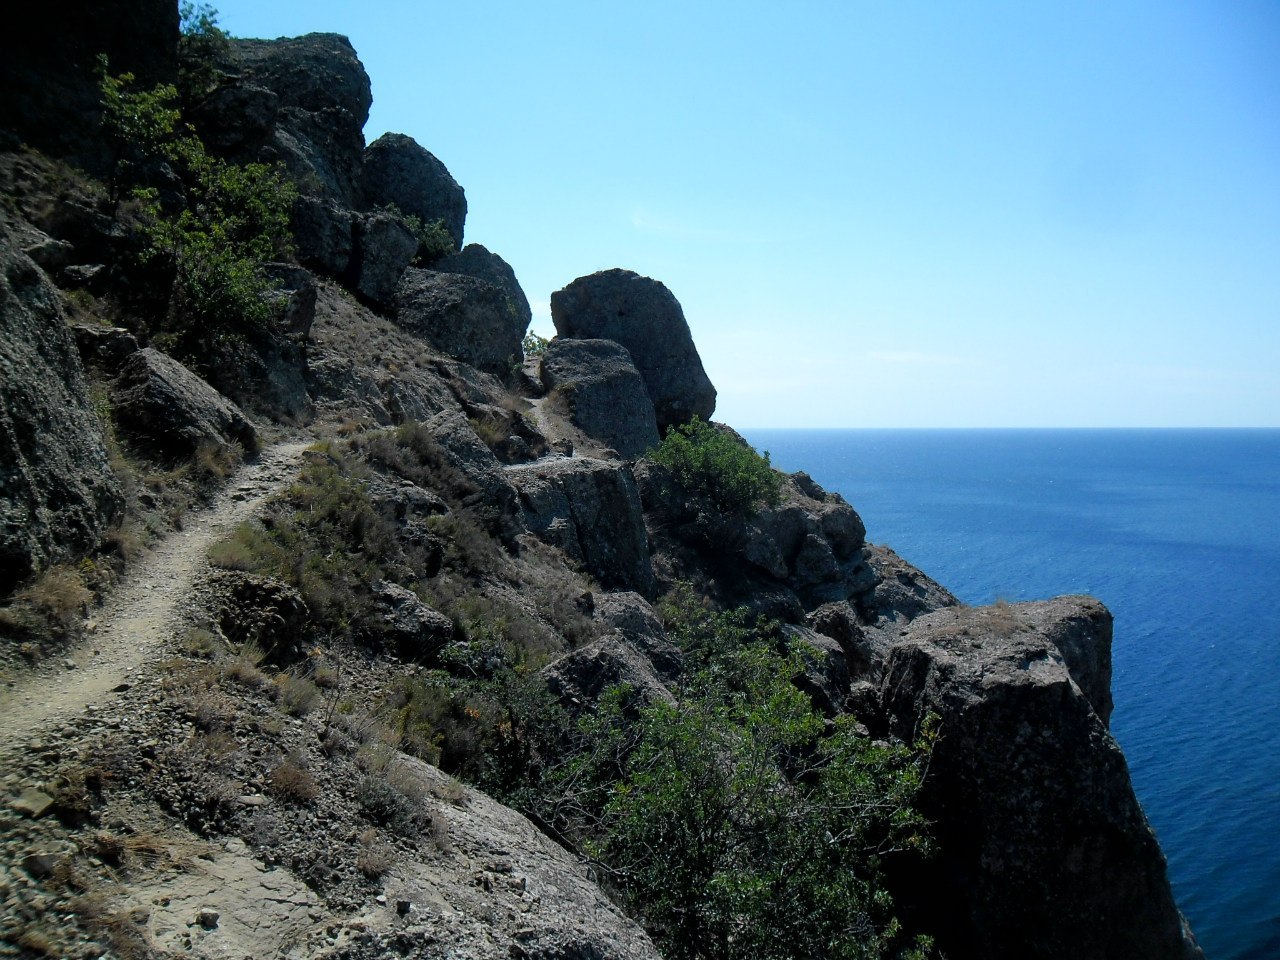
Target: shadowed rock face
x=399, y=171
x=602, y=393
x=591, y=510
x=643, y=316
x=476, y=260
x=171, y=411
x=1044, y=850
x=49, y=68
x=57, y=492
x=464, y=317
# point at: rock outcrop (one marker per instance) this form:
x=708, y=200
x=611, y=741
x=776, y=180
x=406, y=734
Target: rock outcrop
x=476, y=260
x=399, y=172
x=1044, y=850
x=464, y=317
x=170, y=411
x=384, y=247
x=602, y=393
x=643, y=316
x=57, y=491
x=591, y=510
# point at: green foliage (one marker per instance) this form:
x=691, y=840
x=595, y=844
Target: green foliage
x=215, y=237
x=435, y=242
x=735, y=821
x=718, y=465
x=203, y=48
x=534, y=345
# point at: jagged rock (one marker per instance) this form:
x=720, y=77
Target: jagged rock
x=591, y=510
x=171, y=411
x=322, y=234
x=256, y=108
x=475, y=260
x=261, y=611
x=602, y=393
x=643, y=316
x=464, y=317
x=49, y=69
x=901, y=592
x=57, y=491
x=294, y=294
x=1044, y=850
x=413, y=628
x=104, y=347
x=400, y=172
x=865, y=651
x=578, y=678
x=630, y=615
x=826, y=676
x=384, y=247
x=323, y=99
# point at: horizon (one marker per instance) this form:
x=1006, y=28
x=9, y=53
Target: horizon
x=995, y=216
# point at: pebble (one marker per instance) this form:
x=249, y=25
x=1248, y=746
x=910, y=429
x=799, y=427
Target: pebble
x=207, y=918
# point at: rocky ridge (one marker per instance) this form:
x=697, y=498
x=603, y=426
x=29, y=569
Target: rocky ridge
x=240, y=800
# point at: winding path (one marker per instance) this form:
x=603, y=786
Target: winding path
x=144, y=610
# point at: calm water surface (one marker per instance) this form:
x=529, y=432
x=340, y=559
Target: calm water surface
x=1178, y=532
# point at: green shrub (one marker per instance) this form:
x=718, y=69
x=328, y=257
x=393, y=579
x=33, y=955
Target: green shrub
x=215, y=238
x=717, y=464
x=534, y=345
x=735, y=821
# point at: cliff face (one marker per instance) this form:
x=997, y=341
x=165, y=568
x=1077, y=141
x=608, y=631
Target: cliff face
x=505, y=494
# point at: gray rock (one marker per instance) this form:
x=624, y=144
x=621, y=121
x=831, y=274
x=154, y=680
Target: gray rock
x=294, y=293
x=400, y=172
x=602, y=393
x=865, y=651
x=322, y=234
x=475, y=260
x=414, y=629
x=591, y=510
x=170, y=411
x=57, y=491
x=466, y=318
x=384, y=247
x=1044, y=850
x=826, y=677
x=32, y=803
x=323, y=100
x=630, y=615
x=901, y=592
x=104, y=347
x=578, y=678
x=643, y=316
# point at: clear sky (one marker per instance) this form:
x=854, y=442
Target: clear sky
x=875, y=214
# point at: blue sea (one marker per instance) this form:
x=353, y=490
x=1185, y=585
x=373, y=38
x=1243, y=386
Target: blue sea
x=1178, y=532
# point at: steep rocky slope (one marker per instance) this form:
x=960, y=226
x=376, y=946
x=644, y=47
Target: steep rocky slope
x=474, y=537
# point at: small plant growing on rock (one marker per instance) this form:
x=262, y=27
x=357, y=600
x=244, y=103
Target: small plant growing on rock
x=716, y=463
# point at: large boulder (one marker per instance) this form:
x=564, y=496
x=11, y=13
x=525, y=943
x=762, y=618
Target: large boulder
x=384, y=247
x=476, y=260
x=464, y=317
x=323, y=98
x=260, y=612
x=643, y=316
x=579, y=678
x=49, y=68
x=591, y=510
x=1044, y=850
x=602, y=393
x=411, y=627
x=171, y=412
x=302, y=102
x=57, y=491
x=399, y=172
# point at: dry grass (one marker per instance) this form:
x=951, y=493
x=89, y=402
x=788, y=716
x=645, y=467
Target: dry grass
x=292, y=782
x=375, y=856
x=297, y=695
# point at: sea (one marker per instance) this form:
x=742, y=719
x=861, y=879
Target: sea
x=1178, y=532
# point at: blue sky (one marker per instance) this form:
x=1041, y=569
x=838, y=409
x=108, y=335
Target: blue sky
x=892, y=214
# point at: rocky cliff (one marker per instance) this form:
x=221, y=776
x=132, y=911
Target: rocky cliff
x=476, y=541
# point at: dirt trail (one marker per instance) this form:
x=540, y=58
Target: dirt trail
x=145, y=608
